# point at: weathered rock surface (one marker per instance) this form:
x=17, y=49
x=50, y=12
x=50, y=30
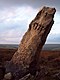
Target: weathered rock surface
x=8, y=76
x=26, y=59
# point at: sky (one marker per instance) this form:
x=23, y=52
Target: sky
x=15, y=16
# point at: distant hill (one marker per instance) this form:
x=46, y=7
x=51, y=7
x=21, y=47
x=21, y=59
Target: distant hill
x=9, y=46
x=45, y=47
x=51, y=47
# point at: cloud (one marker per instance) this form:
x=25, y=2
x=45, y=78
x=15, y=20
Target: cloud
x=15, y=15
x=11, y=36
x=14, y=23
x=32, y=3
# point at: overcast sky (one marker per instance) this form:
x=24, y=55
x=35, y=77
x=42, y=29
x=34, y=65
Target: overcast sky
x=15, y=16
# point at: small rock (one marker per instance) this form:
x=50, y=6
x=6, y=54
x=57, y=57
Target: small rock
x=8, y=76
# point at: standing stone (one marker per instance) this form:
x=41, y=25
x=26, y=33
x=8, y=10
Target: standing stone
x=26, y=58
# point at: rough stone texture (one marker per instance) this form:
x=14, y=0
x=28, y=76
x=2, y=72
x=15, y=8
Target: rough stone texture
x=26, y=59
x=8, y=76
x=25, y=77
